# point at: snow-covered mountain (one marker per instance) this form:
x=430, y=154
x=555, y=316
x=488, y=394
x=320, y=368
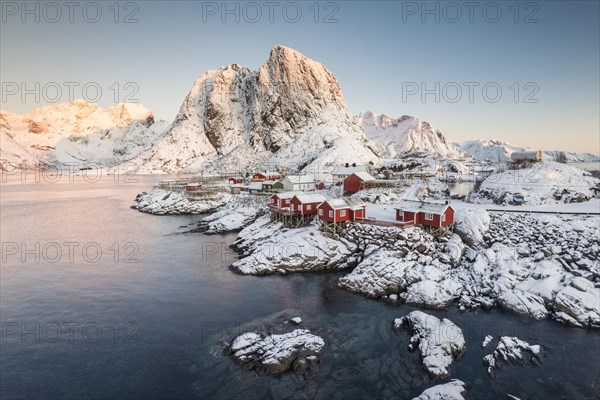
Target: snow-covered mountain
x=80, y=133
x=291, y=111
x=499, y=151
x=406, y=137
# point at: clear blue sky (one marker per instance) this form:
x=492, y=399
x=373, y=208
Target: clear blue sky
x=377, y=50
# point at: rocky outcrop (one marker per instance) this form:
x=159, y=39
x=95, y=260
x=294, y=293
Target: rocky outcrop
x=578, y=304
x=266, y=248
x=453, y=390
x=439, y=342
x=171, y=202
x=526, y=304
x=512, y=350
x=297, y=351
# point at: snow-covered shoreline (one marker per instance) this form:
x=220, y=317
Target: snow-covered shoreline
x=528, y=264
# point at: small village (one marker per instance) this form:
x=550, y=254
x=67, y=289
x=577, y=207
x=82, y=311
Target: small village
x=296, y=200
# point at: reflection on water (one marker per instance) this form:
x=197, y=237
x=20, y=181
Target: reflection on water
x=140, y=313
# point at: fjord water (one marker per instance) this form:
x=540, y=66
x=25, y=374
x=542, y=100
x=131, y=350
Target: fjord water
x=147, y=321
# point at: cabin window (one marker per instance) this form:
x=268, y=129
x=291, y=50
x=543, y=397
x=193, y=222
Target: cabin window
x=308, y=207
x=342, y=213
x=272, y=201
x=321, y=212
x=330, y=214
x=428, y=216
x=401, y=214
x=443, y=217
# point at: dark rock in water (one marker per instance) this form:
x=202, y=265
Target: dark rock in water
x=272, y=345
x=512, y=350
x=273, y=354
x=439, y=342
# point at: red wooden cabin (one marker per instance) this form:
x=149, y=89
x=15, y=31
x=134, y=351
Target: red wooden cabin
x=192, y=187
x=235, y=180
x=341, y=210
x=306, y=204
x=258, y=177
x=321, y=185
x=357, y=181
x=281, y=200
x=428, y=214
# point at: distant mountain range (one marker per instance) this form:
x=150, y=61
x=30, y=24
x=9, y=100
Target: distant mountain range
x=291, y=112
x=499, y=151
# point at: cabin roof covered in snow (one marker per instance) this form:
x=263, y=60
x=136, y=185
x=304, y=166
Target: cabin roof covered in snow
x=300, y=178
x=346, y=202
x=311, y=198
x=256, y=185
x=286, y=195
x=343, y=170
x=364, y=176
x=433, y=208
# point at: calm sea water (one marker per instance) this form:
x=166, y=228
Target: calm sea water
x=138, y=309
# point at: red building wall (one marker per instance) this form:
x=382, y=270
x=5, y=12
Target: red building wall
x=303, y=207
x=420, y=219
x=352, y=184
x=350, y=215
x=279, y=202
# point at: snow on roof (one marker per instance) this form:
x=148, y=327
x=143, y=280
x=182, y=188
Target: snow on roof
x=287, y=195
x=268, y=182
x=311, y=198
x=346, y=202
x=433, y=208
x=342, y=170
x=257, y=185
x=364, y=176
x=300, y=178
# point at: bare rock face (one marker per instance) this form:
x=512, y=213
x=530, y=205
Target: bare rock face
x=274, y=354
x=292, y=92
x=439, y=342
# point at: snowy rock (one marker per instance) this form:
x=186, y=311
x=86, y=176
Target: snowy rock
x=165, y=202
x=268, y=248
x=439, y=342
x=523, y=303
x=237, y=214
x=296, y=320
x=431, y=294
x=273, y=354
x=487, y=340
x=512, y=350
x=471, y=225
x=453, y=390
x=379, y=274
x=581, y=302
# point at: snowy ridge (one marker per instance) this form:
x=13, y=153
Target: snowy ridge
x=79, y=133
x=406, y=136
x=499, y=151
